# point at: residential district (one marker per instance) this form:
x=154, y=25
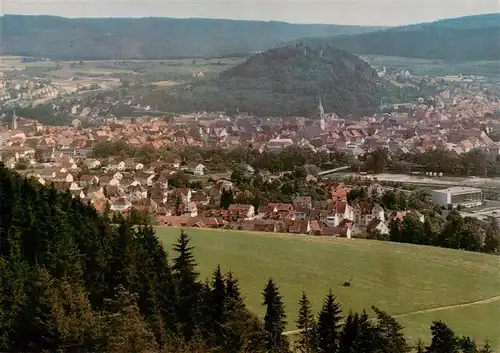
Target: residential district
x=119, y=183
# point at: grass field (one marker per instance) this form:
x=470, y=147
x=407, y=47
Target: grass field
x=437, y=67
x=107, y=67
x=398, y=278
x=165, y=83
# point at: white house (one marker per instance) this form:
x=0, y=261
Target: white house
x=377, y=224
x=92, y=163
x=196, y=168
x=365, y=212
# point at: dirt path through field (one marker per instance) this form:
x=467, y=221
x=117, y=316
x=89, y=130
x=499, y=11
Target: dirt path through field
x=426, y=311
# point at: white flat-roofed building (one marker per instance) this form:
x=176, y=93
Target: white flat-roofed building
x=458, y=196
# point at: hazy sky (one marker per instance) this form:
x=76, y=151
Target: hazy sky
x=362, y=12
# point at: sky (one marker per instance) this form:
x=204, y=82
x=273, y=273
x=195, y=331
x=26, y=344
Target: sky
x=345, y=12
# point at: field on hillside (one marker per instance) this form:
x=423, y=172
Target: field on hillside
x=398, y=278
x=64, y=69
x=436, y=67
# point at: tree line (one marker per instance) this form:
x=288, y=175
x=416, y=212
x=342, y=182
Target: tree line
x=72, y=281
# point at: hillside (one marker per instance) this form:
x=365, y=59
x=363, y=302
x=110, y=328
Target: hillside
x=286, y=82
x=149, y=38
x=402, y=279
x=463, y=39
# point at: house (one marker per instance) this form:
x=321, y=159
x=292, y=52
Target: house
x=200, y=198
x=118, y=176
x=196, y=168
x=121, y=205
x=299, y=227
x=302, y=201
x=339, y=193
x=144, y=179
x=65, y=177
x=400, y=215
x=87, y=179
x=136, y=192
x=283, y=210
x=92, y=163
x=146, y=205
x=48, y=173
x=242, y=211
x=182, y=194
x=379, y=225
x=260, y=225
x=301, y=213
x=344, y=232
x=162, y=181
x=120, y=166
x=340, y=210
x=188, y=210
x=365, y=212
x=77, y=194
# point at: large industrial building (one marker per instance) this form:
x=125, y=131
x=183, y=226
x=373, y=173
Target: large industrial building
x=458, y=196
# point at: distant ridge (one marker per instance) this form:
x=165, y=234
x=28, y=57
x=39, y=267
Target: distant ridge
x=150, y=38
x=460, y=39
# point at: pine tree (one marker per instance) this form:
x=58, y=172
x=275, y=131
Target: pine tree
x=187, y=286
x=217, y=306
x=154, y=281
x=122, y=262
x=358, y=335
x=328, y=327
x=242, y=331
x=392, y=338
x=419, y=347
x=443, y=339
x=466, y=345
x=233, y=295
x=306, y=325
x=126, y=329
x=486, y=348
x=275, y=318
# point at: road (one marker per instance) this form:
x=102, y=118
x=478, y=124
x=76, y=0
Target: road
x=426, y=311
x=423, y=180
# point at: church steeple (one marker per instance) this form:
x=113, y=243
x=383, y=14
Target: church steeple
x=321, y=111
x=14, y=120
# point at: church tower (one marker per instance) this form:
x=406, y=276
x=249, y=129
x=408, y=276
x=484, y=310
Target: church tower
x=14, y=121
x=321, y=115
x=321, y=111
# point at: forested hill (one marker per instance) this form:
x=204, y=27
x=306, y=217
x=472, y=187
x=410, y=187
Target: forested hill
x=465, y=39
x=149, y=38
x=287, y=81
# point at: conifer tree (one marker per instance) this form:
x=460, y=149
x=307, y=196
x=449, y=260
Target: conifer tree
x=329, y=324
x=306, y=325
x=419, y=347
x=122, y=262
x=443, y=339
x=125, y=328
x=187, y=287
x=154, y=286
x=275, y=318
x=218, y=295
x=358, y=335
x=392, y=339
x=466, y=345
x=242, y=330
x=486, y=348
x=233, y=296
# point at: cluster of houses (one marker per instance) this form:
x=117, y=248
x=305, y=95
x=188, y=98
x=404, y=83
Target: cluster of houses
x=338, y=218
x=121, y=187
